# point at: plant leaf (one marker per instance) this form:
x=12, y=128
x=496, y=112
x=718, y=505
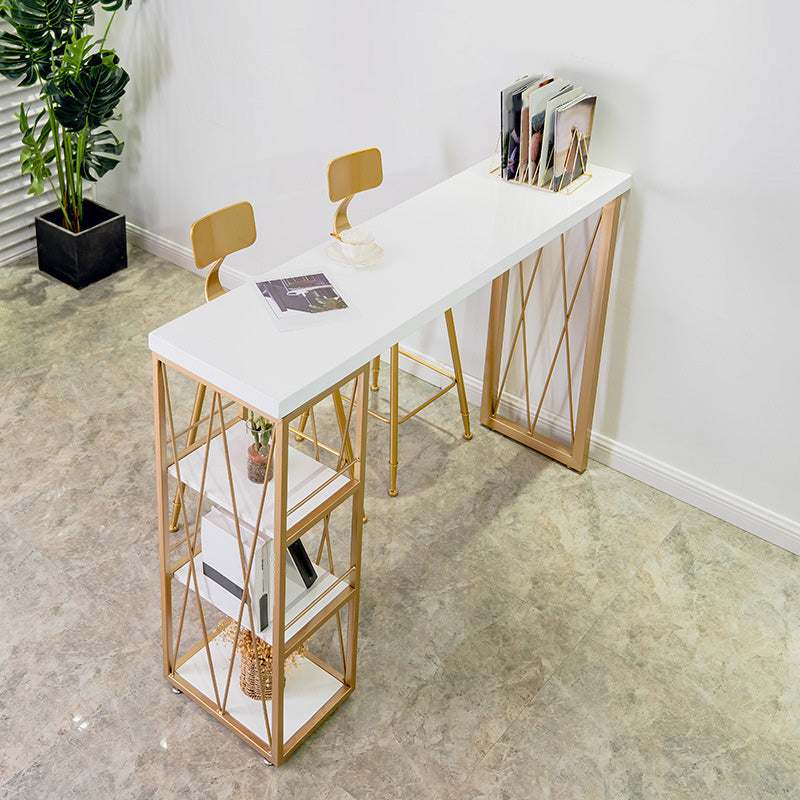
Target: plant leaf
x=101, y=154
x=88, y=99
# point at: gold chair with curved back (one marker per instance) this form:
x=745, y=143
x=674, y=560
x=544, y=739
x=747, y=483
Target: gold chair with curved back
x=347, y=176
x=219, y=234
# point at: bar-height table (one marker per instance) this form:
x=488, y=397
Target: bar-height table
x=439, y=247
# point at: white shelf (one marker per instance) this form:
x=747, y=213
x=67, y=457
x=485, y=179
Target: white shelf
x=324, y=581
x=308, y=688
x=305, y=475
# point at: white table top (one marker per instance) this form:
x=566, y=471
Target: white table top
x=439, y=247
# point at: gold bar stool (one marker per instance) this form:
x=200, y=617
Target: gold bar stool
x=348, y=175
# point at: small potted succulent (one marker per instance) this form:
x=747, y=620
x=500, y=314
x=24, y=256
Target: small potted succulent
x=258, y=454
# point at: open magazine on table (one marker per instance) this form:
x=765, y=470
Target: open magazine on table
x=303, y=301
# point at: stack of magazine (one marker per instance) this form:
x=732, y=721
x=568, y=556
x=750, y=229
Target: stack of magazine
x=545, y=129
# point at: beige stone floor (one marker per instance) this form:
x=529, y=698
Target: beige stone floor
x=525, y=632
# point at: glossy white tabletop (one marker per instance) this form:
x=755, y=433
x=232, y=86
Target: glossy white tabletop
x=439, y=247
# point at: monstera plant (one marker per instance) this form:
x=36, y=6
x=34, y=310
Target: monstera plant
x=45, y=43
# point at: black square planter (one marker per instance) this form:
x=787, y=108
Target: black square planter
x=82, y=258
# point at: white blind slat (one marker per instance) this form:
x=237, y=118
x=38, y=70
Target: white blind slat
x=17, y=207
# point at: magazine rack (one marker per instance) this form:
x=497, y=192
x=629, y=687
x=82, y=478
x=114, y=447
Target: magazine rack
x=577, y=159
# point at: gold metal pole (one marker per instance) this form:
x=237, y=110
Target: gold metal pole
x=567, y=311
x=356, y=526
x=394, y=370
x=523, y=299
x=609, y=223
x=159, y=409
x=376, y=369
x=459, y=375
x=191, y=435
x=281, y=455
x=301, y=427
x=494, y=347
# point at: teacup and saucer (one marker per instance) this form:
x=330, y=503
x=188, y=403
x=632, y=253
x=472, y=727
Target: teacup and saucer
x=355, y=247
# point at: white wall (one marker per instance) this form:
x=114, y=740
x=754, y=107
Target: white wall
x=701, y=374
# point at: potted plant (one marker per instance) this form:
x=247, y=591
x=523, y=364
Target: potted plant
x=258, y=454
x=81, y=83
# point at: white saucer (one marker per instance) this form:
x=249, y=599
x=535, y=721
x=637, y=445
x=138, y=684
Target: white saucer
x=373, y=256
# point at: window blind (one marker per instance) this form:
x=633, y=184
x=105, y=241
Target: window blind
x=17, y=207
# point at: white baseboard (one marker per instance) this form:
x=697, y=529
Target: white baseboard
x=178, y=254
x=161, y=247
x=706, y=496
x=715, y=500
x=701, y=494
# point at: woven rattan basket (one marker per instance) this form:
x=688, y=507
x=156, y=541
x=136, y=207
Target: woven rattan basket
x=248, y=677
x=248, y=650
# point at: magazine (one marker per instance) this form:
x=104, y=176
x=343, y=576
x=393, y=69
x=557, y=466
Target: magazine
x=537, y=98
x=525, y=126
x=573, y=130
x=510, y=97
x=301, y=301
x=546, y=166
x=534, y=149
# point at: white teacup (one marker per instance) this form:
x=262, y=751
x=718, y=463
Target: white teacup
x=356, y=244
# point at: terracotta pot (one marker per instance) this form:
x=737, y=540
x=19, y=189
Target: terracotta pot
x=257, y=464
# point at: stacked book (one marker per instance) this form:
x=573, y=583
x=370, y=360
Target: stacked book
x=545, y=129
x=225, y=567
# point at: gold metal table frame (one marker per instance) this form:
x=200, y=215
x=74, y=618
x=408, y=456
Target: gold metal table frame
x=574, y=453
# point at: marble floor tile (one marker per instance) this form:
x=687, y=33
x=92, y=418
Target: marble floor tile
x=525, y=631
x=733, y=645
x=604, y=727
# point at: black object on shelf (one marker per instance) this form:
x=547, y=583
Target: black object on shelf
x=263, y=611
x=303, y=563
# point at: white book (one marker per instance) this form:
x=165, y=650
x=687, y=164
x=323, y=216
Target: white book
x=224, y=574
x=546, y=169
x=525, y=127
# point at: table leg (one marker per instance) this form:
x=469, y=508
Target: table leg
x=394, y=369
x=458, y=374
x=575, y=453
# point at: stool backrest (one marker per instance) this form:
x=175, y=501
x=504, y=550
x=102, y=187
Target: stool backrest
x=218, y=235
x=350, y=174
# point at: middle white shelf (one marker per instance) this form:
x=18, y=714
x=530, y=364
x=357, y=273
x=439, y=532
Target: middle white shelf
x=301, y=603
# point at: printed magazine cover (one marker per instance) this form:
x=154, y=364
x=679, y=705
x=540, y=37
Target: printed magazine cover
x=573, y=131
x=301, y=301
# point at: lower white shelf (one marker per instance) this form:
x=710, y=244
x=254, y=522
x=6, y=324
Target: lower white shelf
x=323, y=582
x=308, y=688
